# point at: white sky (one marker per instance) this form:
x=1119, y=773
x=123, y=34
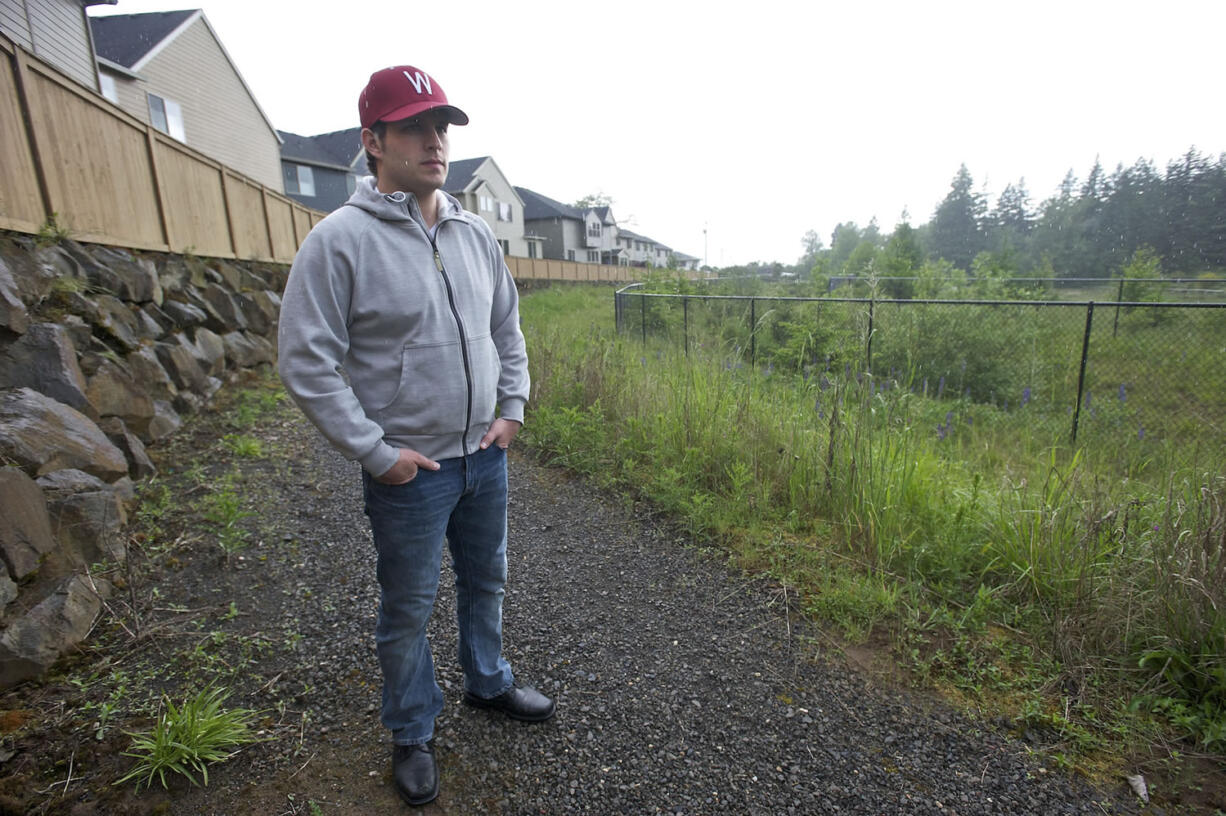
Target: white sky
x=759, y=120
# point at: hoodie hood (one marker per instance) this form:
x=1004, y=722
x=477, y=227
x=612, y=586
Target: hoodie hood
x=397, y=206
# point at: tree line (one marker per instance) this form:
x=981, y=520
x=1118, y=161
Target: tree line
x=1171, y=222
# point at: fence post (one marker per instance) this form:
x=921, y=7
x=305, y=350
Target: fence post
x=643, y=316
x=21, y=78
x=753, y=333
x=617, y=312
x=685, y=323
x=869, y=340
x=1081, y=376
x=1118, y=297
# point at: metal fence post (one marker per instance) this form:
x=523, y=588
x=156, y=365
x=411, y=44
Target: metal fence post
x=1081, y=376
x=869, y=340
x=643, y=316
x=685, y=323
x=1118, y=297
x=753, y=333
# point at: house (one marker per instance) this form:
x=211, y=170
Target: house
x=55, y=31
x=480, y=187
x=568, y=233
x=169, y=69
x=322, y=171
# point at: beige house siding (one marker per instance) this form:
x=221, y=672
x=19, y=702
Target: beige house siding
x=493, y=184
x=220, y=117
x=54, y=31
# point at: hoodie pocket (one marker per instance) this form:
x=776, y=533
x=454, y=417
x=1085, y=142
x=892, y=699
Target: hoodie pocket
x=432, y=397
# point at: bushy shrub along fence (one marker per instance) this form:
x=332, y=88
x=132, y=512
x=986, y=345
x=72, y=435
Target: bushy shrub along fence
x=1146, y=380
x=1121, y=289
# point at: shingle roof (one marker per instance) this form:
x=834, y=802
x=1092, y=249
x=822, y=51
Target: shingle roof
x=336, y=149
x=539, y=206
x=126, y=38
x=460, y=173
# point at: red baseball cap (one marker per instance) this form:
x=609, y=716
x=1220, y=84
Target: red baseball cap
x=401, y=92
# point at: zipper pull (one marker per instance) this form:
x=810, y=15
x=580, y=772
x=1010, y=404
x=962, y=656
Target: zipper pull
x=438, y=261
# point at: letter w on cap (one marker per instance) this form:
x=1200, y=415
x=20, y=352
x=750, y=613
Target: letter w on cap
x=418, y=79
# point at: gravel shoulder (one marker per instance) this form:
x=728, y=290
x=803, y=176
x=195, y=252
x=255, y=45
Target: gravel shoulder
x=683, y=687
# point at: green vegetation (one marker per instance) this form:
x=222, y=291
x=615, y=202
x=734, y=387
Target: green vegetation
x=189, y=738
x=52, y=232
x=1077, y=591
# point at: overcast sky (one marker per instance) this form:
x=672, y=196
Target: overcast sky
x=758, y=121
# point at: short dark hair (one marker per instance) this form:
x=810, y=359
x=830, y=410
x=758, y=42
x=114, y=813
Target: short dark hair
x=380, y=130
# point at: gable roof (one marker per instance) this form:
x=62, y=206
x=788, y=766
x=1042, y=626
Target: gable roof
x=127, y=39
x=131, y=40
x=537, y=206
x=337, y=149
x=460, y=173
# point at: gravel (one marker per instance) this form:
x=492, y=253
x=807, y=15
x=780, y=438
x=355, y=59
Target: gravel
x=683, y=687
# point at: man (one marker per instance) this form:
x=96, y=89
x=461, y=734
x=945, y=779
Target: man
x=399, y=338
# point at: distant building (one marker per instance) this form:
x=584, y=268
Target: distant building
x=322, y=171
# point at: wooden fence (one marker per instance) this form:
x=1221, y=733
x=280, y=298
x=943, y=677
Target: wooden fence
x=66, y=153
x=546, y=269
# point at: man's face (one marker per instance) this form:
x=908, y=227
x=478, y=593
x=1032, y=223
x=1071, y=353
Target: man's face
x=412, y=154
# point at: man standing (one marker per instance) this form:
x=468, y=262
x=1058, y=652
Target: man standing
x=399, y=339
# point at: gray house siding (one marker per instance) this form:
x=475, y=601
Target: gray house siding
x=55, y=31
x=331, y=186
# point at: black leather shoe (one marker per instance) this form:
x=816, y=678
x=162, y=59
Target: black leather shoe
x=416, y=772
x=518, y=702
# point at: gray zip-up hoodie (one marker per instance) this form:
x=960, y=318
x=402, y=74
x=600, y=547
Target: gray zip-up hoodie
x=389, y=339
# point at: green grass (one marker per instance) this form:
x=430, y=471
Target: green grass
x=1002, y=561
x=188, y=738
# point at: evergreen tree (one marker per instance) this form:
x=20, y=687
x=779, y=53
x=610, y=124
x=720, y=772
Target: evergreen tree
x=957, y=225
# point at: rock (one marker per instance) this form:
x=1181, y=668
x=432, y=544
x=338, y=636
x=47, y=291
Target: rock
x=13, y=314
x=184, y=315
x=79, y=332
x=145, y=368
x=224, y=313
x=257, y=321
x=229, y=274
x=181, y=365
x=116, y=272
x=246, y=350
x=34, y=641
x=270, y=304
x=86, y=517
x=25, y=536
x=117, y=321
x=45, y=359
x=140, y=466
x=165, y=421
x=8, y=591
x=113, y=391
x=209, y=351
x=158, y=316
x=41, y=434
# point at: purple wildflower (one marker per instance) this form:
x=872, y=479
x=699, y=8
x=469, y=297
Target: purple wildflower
x=1123, y=393
x=941, y=387
x=1025, y=396
x=941, y=431
x=949, y=419
x=823, y=383
x=1141, y=433
x=643, y=361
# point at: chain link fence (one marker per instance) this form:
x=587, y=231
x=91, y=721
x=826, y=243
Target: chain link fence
x=1142, y=377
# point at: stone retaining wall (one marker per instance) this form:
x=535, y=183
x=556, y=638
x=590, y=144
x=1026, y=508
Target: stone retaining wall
x=102, y=352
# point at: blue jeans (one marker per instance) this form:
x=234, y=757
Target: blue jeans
x=466, y=501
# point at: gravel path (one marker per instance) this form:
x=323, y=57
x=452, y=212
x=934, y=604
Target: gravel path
x=682, y=687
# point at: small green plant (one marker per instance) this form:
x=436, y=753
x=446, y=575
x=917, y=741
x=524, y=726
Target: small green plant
x=52, y=232
x=223, y=508
x=246, y=446
x=189, y=738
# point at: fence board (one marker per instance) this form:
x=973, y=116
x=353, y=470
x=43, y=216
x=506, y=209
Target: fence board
x=247, y=217
x=20, y=200
x=281, y=214
x=195, y=202
x=96, y=165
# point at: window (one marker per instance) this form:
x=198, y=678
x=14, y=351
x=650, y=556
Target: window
x=167, y=116
x=486, y=203
x=593, y=256
x=351, y=183
x=299, y=179
x=593, y=229
x=506, y=246
x=504, y=211
x=532, y=249
x=106, y=84
x=570, y=254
